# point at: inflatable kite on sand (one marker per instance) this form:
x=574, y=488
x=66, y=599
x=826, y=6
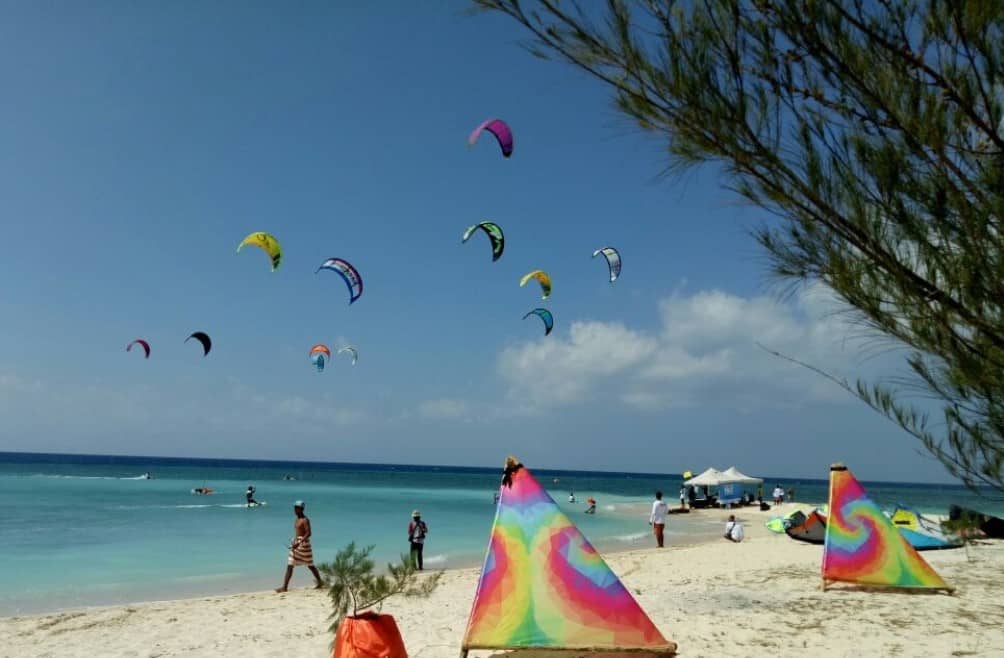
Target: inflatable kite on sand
x=863, y=547
x=544, y=586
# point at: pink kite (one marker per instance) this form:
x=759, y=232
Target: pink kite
x=501, y=131
x=142, y=343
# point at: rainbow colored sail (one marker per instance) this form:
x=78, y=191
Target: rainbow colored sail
x=863, y=546
x=543, y=585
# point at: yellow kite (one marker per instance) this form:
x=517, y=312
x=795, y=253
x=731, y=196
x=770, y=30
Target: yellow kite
x=542, y=277
x=267, y=243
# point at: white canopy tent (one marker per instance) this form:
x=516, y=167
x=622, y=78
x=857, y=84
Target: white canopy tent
x=732, y=474
x=709, y=478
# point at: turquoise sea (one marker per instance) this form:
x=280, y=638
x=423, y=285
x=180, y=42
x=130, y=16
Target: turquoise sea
x=79, y=530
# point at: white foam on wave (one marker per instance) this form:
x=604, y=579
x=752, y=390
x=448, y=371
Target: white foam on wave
x=610, y=508
x=633, y=537
x=200, y=506
x=85, y=477
x=203, y=506
x=74, y=477
x=435, y=559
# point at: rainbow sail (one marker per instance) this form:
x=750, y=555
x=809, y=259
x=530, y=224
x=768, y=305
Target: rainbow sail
x=543, y=584
x=863, y=546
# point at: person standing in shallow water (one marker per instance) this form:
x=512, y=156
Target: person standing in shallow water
x=300, y=553
x=417, y=530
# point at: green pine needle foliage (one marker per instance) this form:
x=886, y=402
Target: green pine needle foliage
x=871, y=134
x=355, y=588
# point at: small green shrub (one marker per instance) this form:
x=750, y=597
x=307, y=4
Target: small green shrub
x=355, y=588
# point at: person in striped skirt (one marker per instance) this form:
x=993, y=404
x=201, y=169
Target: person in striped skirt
x=300, y=553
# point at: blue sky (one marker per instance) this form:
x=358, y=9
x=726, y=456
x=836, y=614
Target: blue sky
x=141, y=142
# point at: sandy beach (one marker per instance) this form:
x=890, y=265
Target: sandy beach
x=760, y=597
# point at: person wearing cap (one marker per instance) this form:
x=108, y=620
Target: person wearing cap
x=300, y=553
x=417, y=530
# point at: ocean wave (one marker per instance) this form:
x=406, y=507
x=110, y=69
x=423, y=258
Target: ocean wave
x=435, y=559
x=203, y=506
x=610, y=508
x=200, y=506
x=225, y=575
x=85, y=477
x=633, y=537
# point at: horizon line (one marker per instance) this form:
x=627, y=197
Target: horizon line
x=425, y=465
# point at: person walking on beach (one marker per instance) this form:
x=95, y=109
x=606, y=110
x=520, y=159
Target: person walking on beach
x=683, y=497
x=417, y=530
x=657, y=519
x=300, y=553
x=791, y=494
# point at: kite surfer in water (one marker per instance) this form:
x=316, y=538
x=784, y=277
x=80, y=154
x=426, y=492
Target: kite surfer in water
x=249, y=494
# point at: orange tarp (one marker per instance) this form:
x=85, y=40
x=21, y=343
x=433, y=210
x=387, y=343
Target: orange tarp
x=369, y=635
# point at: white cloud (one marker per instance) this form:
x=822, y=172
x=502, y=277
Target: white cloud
x=443, y=409
x=564, y=371
x=703, y=352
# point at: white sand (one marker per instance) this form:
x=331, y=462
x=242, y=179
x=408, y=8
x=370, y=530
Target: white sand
x=761, y=597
